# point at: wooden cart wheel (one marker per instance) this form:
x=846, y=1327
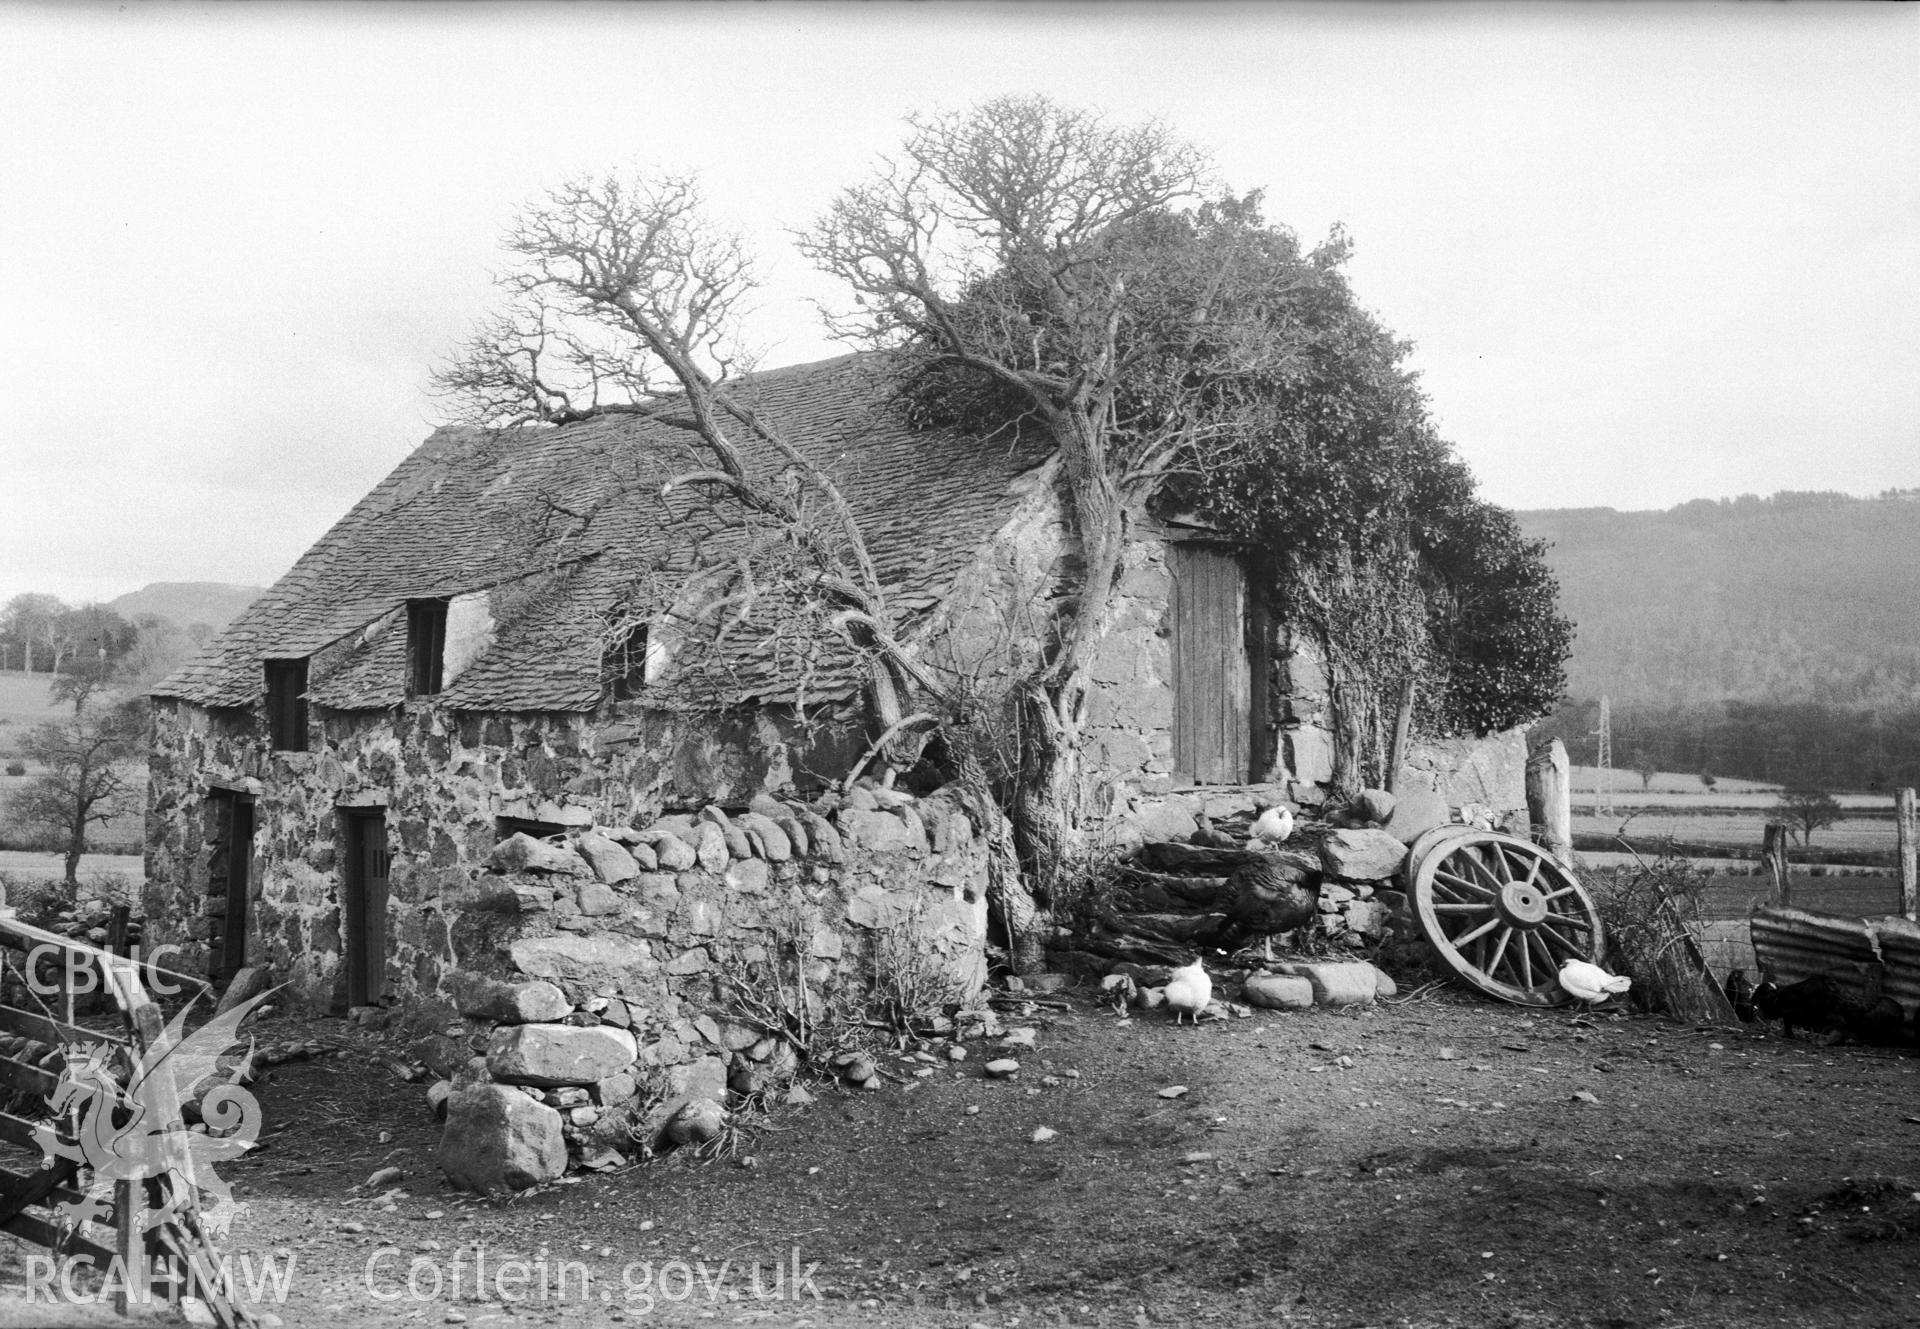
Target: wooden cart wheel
x=1502, y=913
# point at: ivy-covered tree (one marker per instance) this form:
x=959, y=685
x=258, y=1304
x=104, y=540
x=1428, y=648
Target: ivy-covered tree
x=1284, y=411
x=1027, y=266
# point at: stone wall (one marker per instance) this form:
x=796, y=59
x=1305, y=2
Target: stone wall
x=444, y=781
x=626, y=981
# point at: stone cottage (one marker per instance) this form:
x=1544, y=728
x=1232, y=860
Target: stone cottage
x=346, y=785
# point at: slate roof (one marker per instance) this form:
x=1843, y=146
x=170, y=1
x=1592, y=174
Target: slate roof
x=554, y=523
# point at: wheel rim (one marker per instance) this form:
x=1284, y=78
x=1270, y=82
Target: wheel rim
x=1502, y=913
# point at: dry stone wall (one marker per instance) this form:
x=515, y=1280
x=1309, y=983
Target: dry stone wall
x=603, y=903
x=626, y=980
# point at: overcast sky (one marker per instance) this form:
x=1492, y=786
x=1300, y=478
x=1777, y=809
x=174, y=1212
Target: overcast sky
x=1648, y=253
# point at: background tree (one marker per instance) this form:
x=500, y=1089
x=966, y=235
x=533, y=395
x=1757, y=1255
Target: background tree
x=84, y=778
x=1806, y=809
x=1644, y=767
x=31, y=624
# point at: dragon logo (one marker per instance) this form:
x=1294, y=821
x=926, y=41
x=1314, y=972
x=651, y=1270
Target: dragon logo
x=128, y=1125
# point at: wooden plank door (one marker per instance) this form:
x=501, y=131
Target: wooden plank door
x=229, y=873
x=1213, y=712
x=366, y=907
x=233, y=939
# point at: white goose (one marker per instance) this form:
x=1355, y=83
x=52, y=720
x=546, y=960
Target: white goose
x=1589, y=982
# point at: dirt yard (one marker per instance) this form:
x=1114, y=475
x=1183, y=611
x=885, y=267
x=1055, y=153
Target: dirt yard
x=1434, y=1162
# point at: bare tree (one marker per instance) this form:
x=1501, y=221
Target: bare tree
x=84, y=779
x=621, y=296
x=1054, y=259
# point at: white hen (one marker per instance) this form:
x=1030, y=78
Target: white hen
x=1589, y=982
x=1188, y=991
x=1274, y=825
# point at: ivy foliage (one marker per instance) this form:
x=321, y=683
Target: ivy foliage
x=1297, y=426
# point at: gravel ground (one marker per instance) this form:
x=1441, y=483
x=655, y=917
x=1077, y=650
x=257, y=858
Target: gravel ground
x=1442, y=1161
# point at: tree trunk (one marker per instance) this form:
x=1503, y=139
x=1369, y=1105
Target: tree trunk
x=1051, y=798
x=76, y=848
x=1008, y=899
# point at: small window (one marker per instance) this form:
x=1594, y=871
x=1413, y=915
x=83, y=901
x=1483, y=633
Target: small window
x=626, y=665
x=539, y=830
x=426, y=645
x=287, y=704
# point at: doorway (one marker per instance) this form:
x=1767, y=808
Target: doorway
x=229, y=878
x=364, y=911
x=1219, y=667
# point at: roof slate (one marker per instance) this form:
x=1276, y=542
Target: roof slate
x=555, y=522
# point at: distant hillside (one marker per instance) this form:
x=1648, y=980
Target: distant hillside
x=187, y=602
x=1798, y=597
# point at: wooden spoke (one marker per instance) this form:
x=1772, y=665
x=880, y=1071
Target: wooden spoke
x=1548, y=966
x=1478, y=932
x=1499, y=950
x=1550, y=934
x=1454, y=880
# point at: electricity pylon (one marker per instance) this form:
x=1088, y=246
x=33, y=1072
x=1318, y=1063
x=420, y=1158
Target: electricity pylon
x=1603, y=778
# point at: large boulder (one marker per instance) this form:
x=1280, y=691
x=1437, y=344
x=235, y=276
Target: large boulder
x=703, y=1079
x=584, y=965
x=881, y=832
x=248, y=983
x=1277, y=992
x=497, y=1138
x=713, y=853
x=551, y=1055
x=610, y=862
x=675, y=853
x=1362, y=855
x=521, y=893
x=480, y=997
x=1336, y=982
x=520, y=852
x=772, y=839
x=695, y=1122
x=1415, y=812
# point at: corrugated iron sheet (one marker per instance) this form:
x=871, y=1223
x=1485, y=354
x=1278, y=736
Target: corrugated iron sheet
x=1900, y=952
x=1865, y=956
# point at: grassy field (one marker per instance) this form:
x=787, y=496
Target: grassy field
x=1732, y=816
x=24, y=703
x=1741, y=831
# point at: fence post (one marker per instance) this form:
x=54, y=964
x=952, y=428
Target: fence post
x=1773, y=853
x=1903, y=820
x=1550, y=801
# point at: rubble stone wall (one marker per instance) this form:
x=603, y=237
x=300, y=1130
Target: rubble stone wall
x=445, y=780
